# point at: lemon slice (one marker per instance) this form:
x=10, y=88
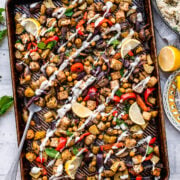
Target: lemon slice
x=135, y=114
x=129, y=45
x=31, y=25
x=81, y=110
x=169, y=58
x=178, y=83
x=71, y=166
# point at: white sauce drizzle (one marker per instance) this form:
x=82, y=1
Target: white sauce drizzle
x=112, y=94
x=93, y=18
x=35, y=170
x=127, y=74
x=124, y=134
x=58, y=13
x=43, y=67
x=33, y=5
x=106, y=8
x=108, y=155
x=120, y=151
x=142, y=84
x=99, y=172
x=147, y=140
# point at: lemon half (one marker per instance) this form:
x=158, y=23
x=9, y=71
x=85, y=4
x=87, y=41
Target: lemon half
x=129, y=45
x=31, y=25
x=81, y=110
x=135, y=114
x=169, y=58
x=71, y=166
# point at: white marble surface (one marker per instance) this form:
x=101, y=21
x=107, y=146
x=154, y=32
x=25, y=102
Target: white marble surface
x=8, y=139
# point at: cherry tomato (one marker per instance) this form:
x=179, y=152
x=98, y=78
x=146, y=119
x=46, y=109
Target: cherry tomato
x=77, y=67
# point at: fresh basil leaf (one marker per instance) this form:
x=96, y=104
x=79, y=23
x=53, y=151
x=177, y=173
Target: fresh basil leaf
x=126, y=108
x=68, y=133
x=41, y=45
x=67, y=53
x=109, y=77
x=51, y=30
x=3, y=33
x=18, y=41
x=5, y=103
x=115, y=42
x=149, y=150
x=122, y=72
x=118, y=93
x=69, y=12
x=51, y=44
x=1, y=16
x=75, y=150
x=1, y=10
x=52, y=153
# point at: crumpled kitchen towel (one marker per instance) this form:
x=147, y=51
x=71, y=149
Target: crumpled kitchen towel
x=166, y=34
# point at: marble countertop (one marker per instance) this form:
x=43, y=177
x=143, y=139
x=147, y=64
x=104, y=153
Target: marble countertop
x=8, y=139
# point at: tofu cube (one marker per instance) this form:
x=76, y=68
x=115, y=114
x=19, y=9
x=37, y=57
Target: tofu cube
x=114, y=84
x=91, y=104
x=147, y=116
x=62, y=95
x=149, y=69
x=61, y=76
x=115, y=64
x=54, y=142
x=152, y=82
x=115, y=75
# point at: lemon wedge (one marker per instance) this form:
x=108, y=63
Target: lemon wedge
x=129, y=45
x=178, y=83
x=71, y=166
x=169, y=58
x=81, y=110
x=135, y=114
x=31, y=25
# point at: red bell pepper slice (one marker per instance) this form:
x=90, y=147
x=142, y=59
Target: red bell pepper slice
x=30, y=46
x=105, y=21
x=147, y=93
x=53, y=38
x=118, y=145
x=83, y=136
x=85, y=149
x=142, y=104
x=125, y=116
x=139, y=177
x=114, y=113
x=77, y=67
x=149, y=157
x=127, y=96
x=85, y=16
x=109, y=146
x=91, y=90
x=62, y=143
x=153, y=140
x=116, y=99
x=130, y=53
x=40, y=160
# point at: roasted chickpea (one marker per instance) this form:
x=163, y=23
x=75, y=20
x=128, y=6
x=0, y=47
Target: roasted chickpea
x=30, y=156
x=69, y=78
x=78, y=42
x=104, y=67
x=29, y=92
x=30, y=134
